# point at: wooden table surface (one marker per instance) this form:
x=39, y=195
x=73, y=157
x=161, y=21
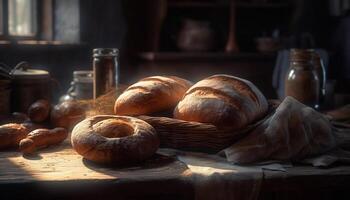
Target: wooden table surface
x=60, y=173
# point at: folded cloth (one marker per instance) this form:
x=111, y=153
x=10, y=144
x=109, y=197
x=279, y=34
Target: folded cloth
x=325, y=160
x=293, y=133
x=215, y=178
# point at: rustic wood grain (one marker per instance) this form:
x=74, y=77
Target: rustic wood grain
x=59, y=173
x=62, y=163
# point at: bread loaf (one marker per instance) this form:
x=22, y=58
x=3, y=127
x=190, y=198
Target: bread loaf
x=41, y=138
x=222, y=100
x=150, y=95
x=112, y=139
x=11, y=134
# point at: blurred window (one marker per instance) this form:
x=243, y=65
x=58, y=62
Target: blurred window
x=22, y=17
x=1, y=18
x=39, y=21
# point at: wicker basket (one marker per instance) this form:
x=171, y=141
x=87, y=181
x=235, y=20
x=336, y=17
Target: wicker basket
x=208, y=138
x=196, y=136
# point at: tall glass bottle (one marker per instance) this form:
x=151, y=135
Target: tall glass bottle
x=105, y=67
x=321, y=72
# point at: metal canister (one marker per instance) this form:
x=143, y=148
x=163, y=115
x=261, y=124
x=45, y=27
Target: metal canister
x=29, y=85
x=105, y=68
x=5, y=97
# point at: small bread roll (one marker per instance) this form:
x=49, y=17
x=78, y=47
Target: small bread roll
x=17, y=117
x=223, y=100
x=150, y=95
x=39, y=111
x=67, y=114
x=11, y=134
x=41, y=138
x=31, y=126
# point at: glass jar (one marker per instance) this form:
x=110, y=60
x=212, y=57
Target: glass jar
x=81, y=87
x=321, y=72
x=302, y=81
x=105, y=69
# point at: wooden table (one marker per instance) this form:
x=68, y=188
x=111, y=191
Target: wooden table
x=59, y=173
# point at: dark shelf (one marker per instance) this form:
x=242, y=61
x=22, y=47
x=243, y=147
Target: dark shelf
x=39, y=43
x=262, y=5
x=198, y=4
x=203, y=56
x=33, y=45
x=241, y=4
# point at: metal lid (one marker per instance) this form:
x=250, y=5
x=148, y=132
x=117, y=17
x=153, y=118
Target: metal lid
x=301, y=55
x=105, y=52
x=83, y=76
x=22, y=71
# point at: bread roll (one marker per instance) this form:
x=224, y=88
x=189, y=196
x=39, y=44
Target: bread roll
x=31, y=126
x=17, y=117
x=41, y=138
x=39, y=111
x=11, y=134
x=67, y=114
x=150, y=95
x=223, y=100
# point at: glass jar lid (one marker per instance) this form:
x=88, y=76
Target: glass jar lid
x=85, y=76
x=105, y=52
x=301, y=55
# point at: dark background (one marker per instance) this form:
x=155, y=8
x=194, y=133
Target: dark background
x=104, y=24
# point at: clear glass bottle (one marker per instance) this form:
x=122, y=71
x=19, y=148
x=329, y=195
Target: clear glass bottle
x=106, y=70
x=321, y=72
x=302, y=80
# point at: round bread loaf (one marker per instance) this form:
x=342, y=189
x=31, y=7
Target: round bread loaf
x=114, y=139
x=150, y=95
x=223, y=100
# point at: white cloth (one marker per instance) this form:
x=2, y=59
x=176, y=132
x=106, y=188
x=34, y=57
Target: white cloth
x=293, y=133
x=215, y=178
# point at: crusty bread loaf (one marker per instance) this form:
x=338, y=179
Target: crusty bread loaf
x=222, y=100
x=113, y=139
x=150, y=95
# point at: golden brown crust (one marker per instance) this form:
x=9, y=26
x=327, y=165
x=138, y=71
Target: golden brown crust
x=222, y=100
x=41, y=138
x=39, y=111
x=11, y=134
x=150, y=95
x=114, y=139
